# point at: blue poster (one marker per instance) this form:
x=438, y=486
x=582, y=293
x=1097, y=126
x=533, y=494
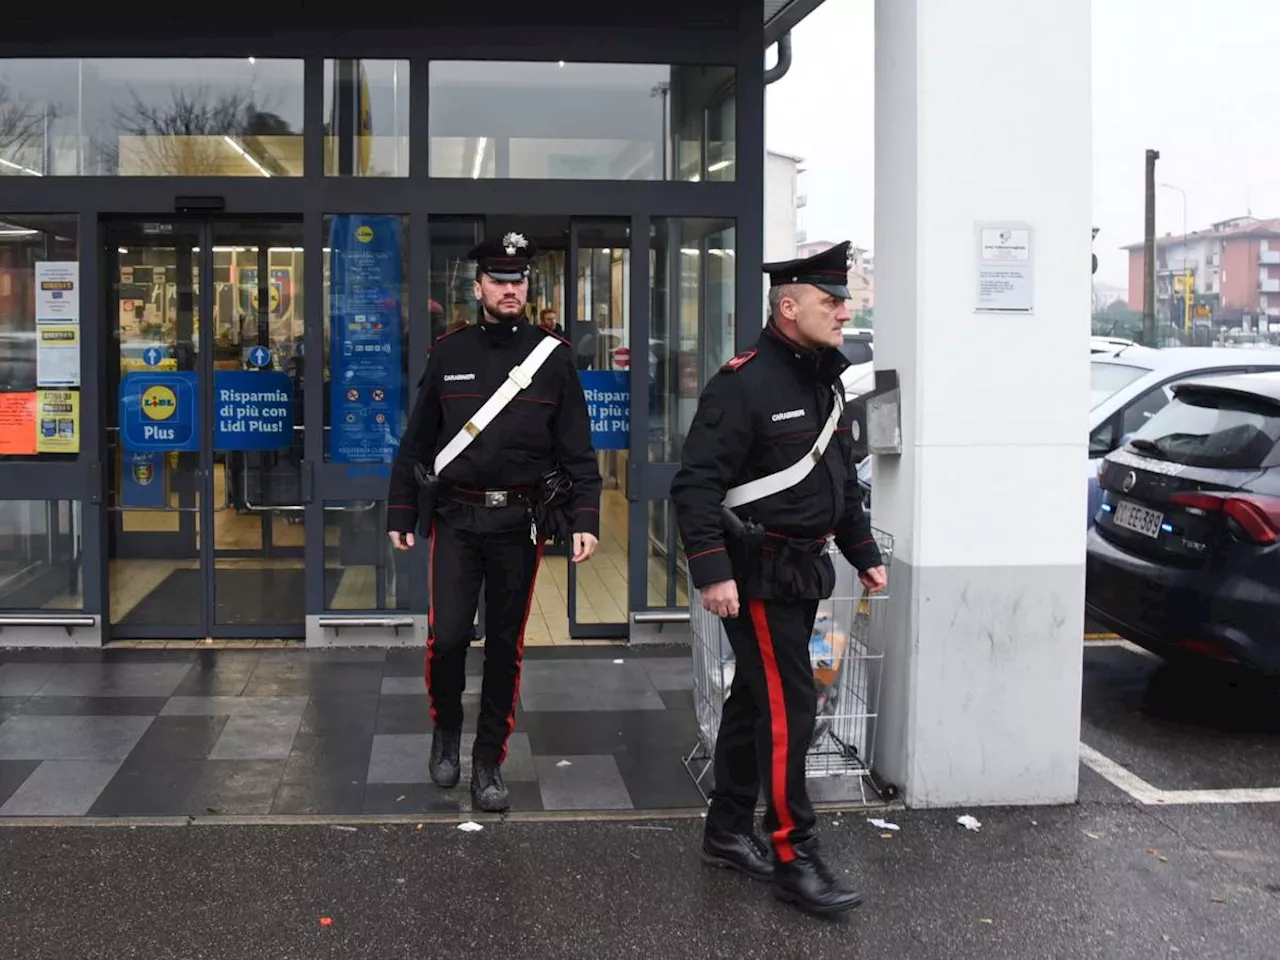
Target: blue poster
x=365, y=339
x=252, y=410
x=608, y=395
x=160, y=411
x=142, y=480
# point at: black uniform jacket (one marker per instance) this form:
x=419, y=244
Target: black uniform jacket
x=545, y=426
x=760, y=413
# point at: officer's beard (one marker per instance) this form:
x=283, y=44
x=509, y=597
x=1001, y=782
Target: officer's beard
x=503, y=311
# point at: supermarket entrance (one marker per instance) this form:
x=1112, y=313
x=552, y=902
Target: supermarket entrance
x=204, y=428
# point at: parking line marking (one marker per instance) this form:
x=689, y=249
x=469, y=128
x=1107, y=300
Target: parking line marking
x=1151, y=796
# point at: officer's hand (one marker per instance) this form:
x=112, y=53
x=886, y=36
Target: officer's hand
x=584, y=545
x=401, y=541
x=721, y=598
x=874, y=579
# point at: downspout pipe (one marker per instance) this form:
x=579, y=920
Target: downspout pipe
x=779, y=69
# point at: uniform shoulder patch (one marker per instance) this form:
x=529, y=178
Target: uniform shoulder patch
x=556, y=336
x=741, y=359
x=450, y=333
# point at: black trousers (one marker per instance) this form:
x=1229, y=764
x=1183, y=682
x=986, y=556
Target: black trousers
x=506, y=561
x=767, y=723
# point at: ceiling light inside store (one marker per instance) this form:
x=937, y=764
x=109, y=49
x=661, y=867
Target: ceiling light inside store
x=478, y=164
x=20, y=168
x=719, y=166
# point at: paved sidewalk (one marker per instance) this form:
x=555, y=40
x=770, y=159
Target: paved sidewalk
x=1104, y=880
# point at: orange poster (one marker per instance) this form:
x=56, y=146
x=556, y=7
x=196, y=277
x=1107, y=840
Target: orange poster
x=17, y=423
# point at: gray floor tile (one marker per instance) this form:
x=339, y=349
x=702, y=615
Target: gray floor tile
x=70, y=738
x=25, y=679
x=669, y=673
x=61, y=788
x=235, y=707
x=264, y=737
x=588, y=783
x=115, y=680
x=403, y=686
x=12, y=775
x=565, y=685
x=400, y=758
x=244, y=787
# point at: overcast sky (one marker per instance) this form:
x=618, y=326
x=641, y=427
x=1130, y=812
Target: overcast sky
x=1196, y=81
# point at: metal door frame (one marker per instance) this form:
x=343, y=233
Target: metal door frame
x=201, y=230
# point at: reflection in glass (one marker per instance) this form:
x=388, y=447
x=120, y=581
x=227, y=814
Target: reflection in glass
x=453, y=302
x=233, y=117
x=362, y=571
x=577, y=121
x=39, y=362
x=668, y=581
x=155, y=496
x=601, y=337
x=366, y=109
x=692, y=322
x=366, y=336
x=40, y=555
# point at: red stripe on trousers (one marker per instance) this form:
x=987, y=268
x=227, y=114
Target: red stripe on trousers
x=777, y=730
x=515, y=695
x=431, y=615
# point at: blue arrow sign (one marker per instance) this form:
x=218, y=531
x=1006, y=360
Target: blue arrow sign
x=259, y=356
x=152, y=356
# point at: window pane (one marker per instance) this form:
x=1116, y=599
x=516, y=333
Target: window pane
x=668, y=579
x=580, y=121
x=1221, y=431
x=39, y=338
x=366, y=336
x=238, y=117
x=692, y=311
x=1107, y=379
x=362, y=571
x=453, y=301
x=366, y=109
x=40, y=543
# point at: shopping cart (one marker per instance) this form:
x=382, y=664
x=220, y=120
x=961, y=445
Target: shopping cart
x=846, y=649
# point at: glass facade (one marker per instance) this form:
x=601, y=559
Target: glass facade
x=151, y=118
x=204, y=378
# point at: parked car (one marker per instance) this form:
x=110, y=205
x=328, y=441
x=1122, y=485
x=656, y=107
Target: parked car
x=1101, y=344
x=1184, y=558
x=858, y=346
x=1128, y=387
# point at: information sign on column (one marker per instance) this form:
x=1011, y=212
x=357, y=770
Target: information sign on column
x=252, y=410
x=160, y=411
x=608, y=394
x=365, y=338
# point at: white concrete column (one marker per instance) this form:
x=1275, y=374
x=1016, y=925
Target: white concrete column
x=983, y=116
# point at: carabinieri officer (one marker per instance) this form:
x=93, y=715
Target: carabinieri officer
x=767, y=478
x=497, y=457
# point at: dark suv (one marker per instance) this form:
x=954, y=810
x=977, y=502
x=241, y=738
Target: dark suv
x=1184, y=554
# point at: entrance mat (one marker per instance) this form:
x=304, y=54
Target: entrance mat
x=244, y=597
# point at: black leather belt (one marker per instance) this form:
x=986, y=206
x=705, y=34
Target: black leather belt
x=490, y=499
x=807, y=546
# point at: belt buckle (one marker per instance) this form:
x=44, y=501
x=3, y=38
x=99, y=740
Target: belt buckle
x=495, y=498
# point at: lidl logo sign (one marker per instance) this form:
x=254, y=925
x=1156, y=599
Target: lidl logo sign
x=364, y=234
x=143, y=472
x=159, y=403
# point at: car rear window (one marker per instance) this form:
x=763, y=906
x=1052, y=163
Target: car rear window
x=1106, y=378
x=1221, y=431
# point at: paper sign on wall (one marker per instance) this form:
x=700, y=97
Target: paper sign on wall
x=58, y=291
x=58, y=355
x=1005, y=280
x=57, y=423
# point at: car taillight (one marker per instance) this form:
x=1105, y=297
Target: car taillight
x=1258, y=517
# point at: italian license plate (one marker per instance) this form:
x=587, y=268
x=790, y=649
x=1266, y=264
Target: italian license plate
x=1139, y=519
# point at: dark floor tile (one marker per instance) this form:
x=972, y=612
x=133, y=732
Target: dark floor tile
x=571, y=732
x=219, y=676
x=405, y=662
x=680, y=701
x=159, y=789
x=171, y=739
x=340, y=716
x=237, y=786
x=10, y=707
x=93, y=706
x=658, y=781
x=411, y=798
x=404, y=715
x=339, y=748
x=141, y=655
x=312, y=798
x=13, y=773
x=317, y=679
x=525, y=797
x=329, y=655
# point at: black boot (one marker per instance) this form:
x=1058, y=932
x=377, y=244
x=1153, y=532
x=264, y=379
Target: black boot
x=488, y=792
x=445, y=767
x=808, y=883
x=743, y=852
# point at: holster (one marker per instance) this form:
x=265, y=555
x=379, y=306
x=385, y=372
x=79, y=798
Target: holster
x=551, y=506
x=428, y=486
x=746, y=535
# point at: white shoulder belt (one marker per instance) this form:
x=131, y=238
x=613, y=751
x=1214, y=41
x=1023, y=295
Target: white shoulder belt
x=788, y=477
x=519, y=378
